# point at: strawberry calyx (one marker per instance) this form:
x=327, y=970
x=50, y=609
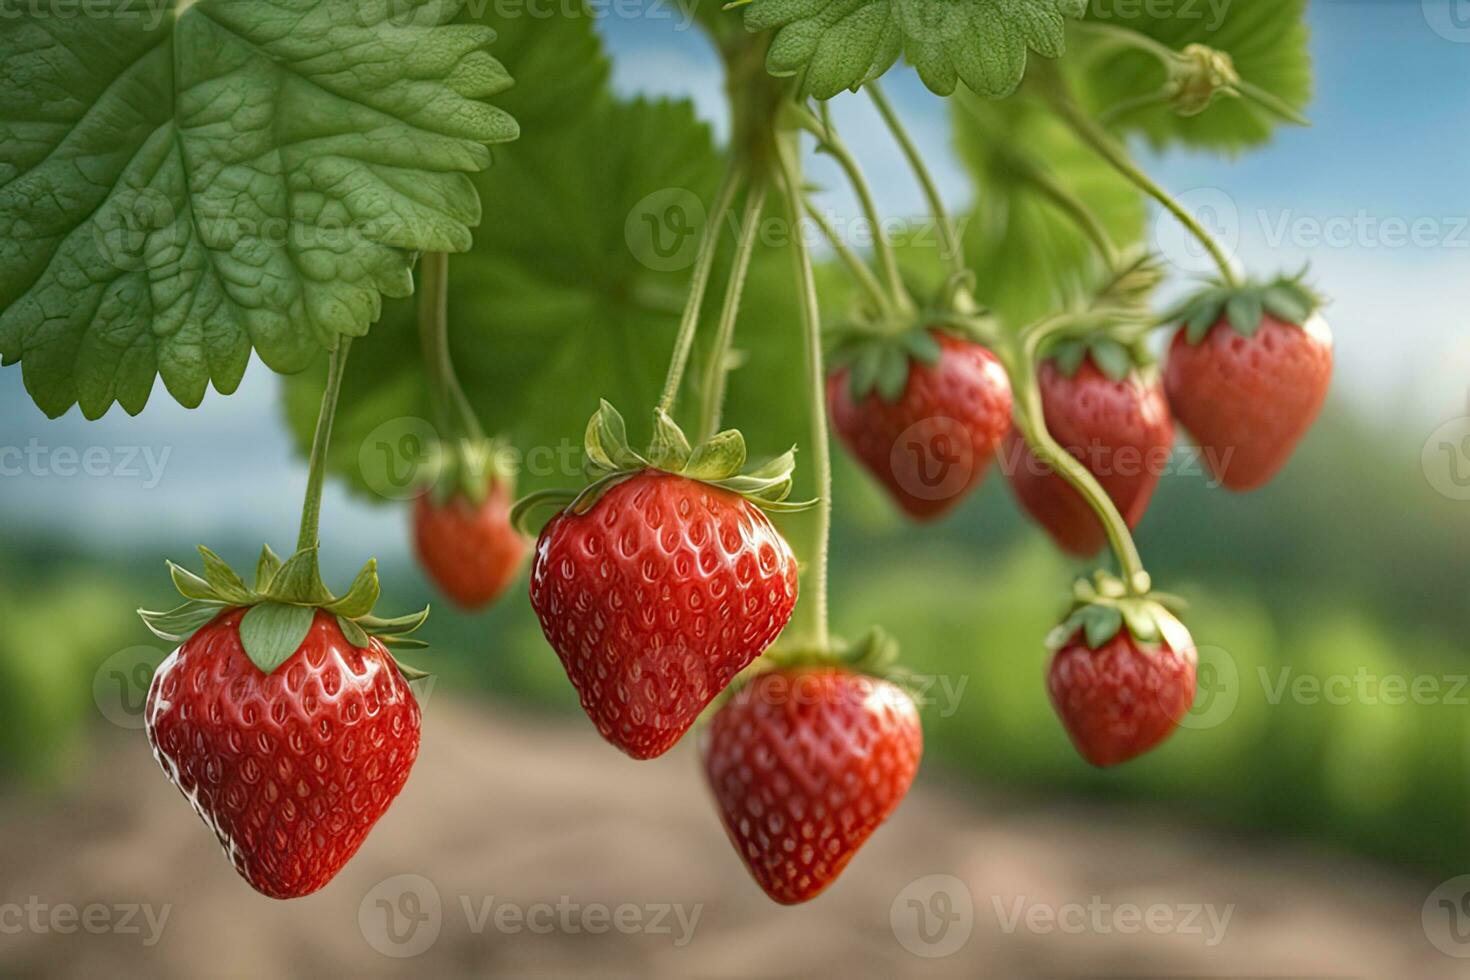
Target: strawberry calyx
x=281, y=606
x=1102, y=607
x=875, y=654
x=469, y=467
x=1114, y=358
x=1198, y=75
x=1244, y=307
x=720, y=462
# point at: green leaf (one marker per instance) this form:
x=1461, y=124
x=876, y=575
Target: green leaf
x=722, y=457
x=839, y=44
x=178, y=624
x=1030, y=256
x=271, y=632
x=266, y=568
x=397, y=626
x=178, y=190
x=1287, y=305
x=1203, y=315
x=607, y=441
x=1266, y=40
x=361, y=597
x=669, y=449
x=864, y=373
x=226, y=584
x=1069, y=355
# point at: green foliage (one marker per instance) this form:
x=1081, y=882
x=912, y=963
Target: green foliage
x=1266, y=40
x=243, y=175
x=839, y=44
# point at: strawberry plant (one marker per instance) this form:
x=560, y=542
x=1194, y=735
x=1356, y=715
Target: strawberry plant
x=169, y=213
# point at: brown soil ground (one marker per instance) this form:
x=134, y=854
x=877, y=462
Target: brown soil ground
x=508, y=816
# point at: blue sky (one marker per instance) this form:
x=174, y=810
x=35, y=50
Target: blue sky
x=1391, y=139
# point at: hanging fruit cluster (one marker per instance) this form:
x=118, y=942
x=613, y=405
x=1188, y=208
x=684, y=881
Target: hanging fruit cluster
x=661, y=584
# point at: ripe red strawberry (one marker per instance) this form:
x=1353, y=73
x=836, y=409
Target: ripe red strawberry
x=804, y=764
x=291, y=769
x=1247, y=381
x=1123, y=698
x=656, y=598
x=930, y=437
x=470, y=551
x=1119, y=428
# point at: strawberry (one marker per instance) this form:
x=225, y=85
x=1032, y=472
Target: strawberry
x=1247, y=376
x=1122, y=674
x=805, y=763
x=655, y=598
x=290, y=768
x=663, y=579
x=469, y=548
x=925, y=418
x=1113, y=418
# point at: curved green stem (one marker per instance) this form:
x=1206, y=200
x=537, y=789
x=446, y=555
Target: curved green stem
x=1108, y=148
x=921, y=173
x=1021, y=362
x=830, y=143
x=1123, y=107
x=815, y=592
x=716, y=367
x=856, y=266
x=311, y=507
x=434, y=333
x=703, y=263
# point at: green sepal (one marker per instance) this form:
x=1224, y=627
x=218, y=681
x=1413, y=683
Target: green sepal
x=1102, y=607
x=300, y=581
x=411, y=674
x=878, y=357
x=266, y=568
x=875, y=653
x=1245, y=307
x=272, y=631
x=280, y=608
x=1115, y=359
x=355, y=634
x=361, y=596
x=469, y=468
x=177, y=624
x=222, y=579
x=722, y=457
x=718, y=462
x=670, y=449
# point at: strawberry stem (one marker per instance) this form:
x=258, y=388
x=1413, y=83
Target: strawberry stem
x=921, y=173
x=449, y=395
x=703, y=264
x=311, y=508
x=830, y=143
x=1021, y=362
x=717, y=368
x=1088, y=130
x=814, y=596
